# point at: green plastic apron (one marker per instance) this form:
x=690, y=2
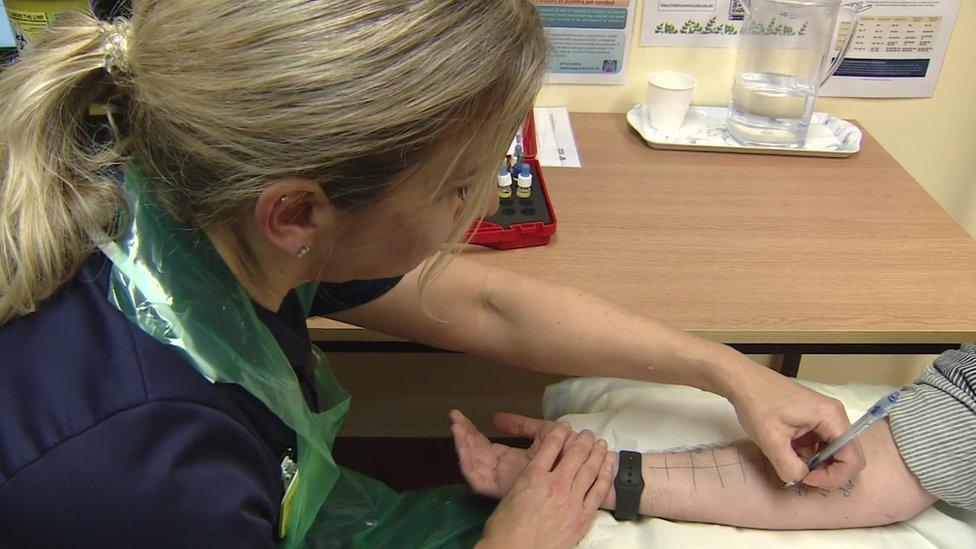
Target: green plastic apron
x=172, y=284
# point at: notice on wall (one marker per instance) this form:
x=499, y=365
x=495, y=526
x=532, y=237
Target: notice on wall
x=589, y=39
x=701, y=23
x=897, y=49
x=6, y=32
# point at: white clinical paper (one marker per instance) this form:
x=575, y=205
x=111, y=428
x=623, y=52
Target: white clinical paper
x=554, y=138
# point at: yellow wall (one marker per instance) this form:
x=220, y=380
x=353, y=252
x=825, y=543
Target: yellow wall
x=934, y=139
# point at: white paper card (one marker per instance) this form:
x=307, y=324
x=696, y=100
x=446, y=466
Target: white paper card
x=554, y=138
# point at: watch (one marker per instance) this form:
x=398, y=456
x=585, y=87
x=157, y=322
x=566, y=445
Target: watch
x=629, y=485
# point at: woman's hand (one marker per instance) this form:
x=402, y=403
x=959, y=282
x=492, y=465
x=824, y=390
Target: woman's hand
x=548, y=504
x=787, y=420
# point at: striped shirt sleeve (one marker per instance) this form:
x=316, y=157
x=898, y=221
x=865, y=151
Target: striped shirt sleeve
x=934, y=427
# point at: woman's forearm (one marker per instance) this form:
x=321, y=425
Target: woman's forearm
x=525, y=322
x=559, y=329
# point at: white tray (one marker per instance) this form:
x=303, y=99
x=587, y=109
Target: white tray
x=704, y=129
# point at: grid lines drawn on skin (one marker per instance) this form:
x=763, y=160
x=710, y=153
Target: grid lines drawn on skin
x=738, y=454
x=694, y=467
x=718, y=470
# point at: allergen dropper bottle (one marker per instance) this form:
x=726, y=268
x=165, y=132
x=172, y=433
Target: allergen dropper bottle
x=524, y=189
x=504, y=183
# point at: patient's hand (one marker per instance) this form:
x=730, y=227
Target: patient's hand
x=491, y=468
x=488, y=467
x=549, y=492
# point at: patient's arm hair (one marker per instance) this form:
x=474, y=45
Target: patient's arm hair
x=736, y=485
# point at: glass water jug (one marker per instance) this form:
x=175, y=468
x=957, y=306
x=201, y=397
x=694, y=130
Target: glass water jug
x=786, y=53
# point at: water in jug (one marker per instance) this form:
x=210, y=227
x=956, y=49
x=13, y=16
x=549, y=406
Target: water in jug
x=787, y=51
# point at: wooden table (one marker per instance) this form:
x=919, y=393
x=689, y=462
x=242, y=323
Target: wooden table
x=771, y=254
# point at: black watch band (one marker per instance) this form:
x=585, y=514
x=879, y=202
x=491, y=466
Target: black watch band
x=629, y=485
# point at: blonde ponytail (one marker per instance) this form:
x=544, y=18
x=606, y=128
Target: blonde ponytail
x=221, y=98
x=54, y=180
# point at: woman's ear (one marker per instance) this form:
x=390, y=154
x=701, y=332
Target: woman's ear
x=290, y=214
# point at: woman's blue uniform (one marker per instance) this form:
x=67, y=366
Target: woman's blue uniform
x=109, y=438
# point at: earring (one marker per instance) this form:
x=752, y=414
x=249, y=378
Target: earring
x=304, y=251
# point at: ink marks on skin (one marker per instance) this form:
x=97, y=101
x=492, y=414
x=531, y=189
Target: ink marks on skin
x=802, y=490
x=716, y=466
x=738, y=455
x=718, y=470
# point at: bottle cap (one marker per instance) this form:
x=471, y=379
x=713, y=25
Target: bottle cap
x=504, y=178
x=525, y=176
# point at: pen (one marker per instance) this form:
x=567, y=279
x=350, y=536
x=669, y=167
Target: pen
x=874, y=413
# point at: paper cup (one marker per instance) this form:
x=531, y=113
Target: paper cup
x=668, y=98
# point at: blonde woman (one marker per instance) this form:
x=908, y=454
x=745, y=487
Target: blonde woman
x=157, y=384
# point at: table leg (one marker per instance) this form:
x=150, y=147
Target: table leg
x=789, y=364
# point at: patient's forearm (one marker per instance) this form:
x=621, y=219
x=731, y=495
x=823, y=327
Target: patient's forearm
x=735, y=485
